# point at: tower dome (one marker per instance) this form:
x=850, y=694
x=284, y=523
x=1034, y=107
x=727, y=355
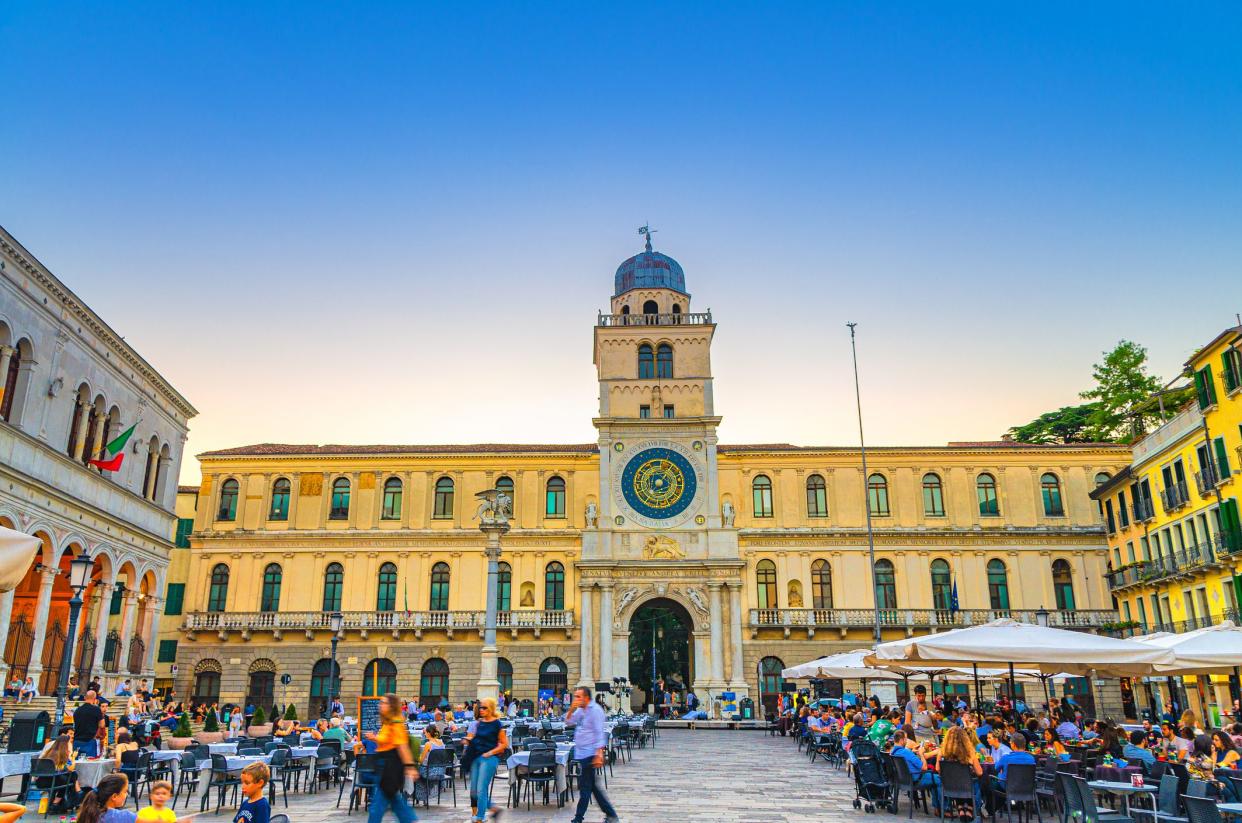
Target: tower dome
x=649, y=270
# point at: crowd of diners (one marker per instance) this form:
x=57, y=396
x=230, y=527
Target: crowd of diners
x=926, y=732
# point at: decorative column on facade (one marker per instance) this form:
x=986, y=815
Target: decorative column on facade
x=6, y=613
x=585, y=670
x=97, y=436
x=605, y=630
x=148, y=486
x=150, y=635
x=42, y=610
x=717, y=637
x=6, y=357
x=129, y=608
x=79, y=436
x=100, y=624
x=494, y=523
x=737, y=673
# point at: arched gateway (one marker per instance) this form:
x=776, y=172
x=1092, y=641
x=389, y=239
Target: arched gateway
x=661, y=650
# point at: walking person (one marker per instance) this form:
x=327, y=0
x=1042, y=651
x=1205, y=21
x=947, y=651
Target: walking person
x=484, y=746
x=590, y=743
x=392, y=744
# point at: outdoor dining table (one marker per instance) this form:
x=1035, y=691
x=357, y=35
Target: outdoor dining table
x=239, y=762
x=1230, y=808
x=303, y=752
x=1116, y=774
x=1122, y=790
x=222, y=748
x=562, y=767
x=17, y=763
x=90, y=771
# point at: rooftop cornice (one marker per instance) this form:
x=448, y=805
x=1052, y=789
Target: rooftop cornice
x=31, y=266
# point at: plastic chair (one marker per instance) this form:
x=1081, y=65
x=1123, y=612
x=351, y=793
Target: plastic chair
x=188, y=775
x=436, y=772
x=1201, y=810
x=221, y=780
x=142, y=777
x=903, y=783
x=957, y=782
x=1090, y=811
x=325, y=766
x=540, y=771
x=45, y=775
x=1019, y=788
x=1164, y=803
x=364, y=781
x=279, y=759
x=1071, y=796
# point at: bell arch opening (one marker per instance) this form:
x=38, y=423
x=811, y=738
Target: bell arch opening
x=661, y=654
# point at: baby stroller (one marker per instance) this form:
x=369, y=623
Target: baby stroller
x=870, y=780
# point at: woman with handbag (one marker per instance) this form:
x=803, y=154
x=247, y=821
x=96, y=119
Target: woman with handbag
x=484, y=746
x=392, y=747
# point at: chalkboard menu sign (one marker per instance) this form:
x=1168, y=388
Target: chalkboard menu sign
x=369, y=715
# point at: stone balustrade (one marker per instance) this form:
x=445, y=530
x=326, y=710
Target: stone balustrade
x=917, y=619
x=394, y=622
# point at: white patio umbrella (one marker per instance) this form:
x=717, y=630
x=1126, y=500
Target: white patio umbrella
x=1212, y=650
x=845, y=665
x=17, y=551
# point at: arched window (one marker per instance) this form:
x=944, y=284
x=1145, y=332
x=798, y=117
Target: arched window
x=325, y=683
x=651, y=307
x=379, y=678
x=664, y=362
x=933, y=495
x=340, y=500
x=942, y=585
x=279, y=510
x=765, y=581
x=440, y=587
x=392, y=499
x=444, y=499
x=206, y=688
x=10, y=383
x=555, y=498
x=386, y=593
x=761, y=494
x=625, y=309
x=554, y=675
x=228, y=501
x=554, y=587
x=646, y=362
x=504, y=673
x=877, y=495
x=504, y=586
x=816, y=497
x=998, y=584
x=1102, y=478
x=218, y=594
x=770, y=669
x=1050, y=486
x=989, y=504
x=676, y=308
x=885, y=585
x=1063, y=585
x=261, y=687
x=433, y=683
x=821, y=584
x=333, y=586
x=505, y=484
x=269, y=601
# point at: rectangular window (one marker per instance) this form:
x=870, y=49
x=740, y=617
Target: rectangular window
x=1122, y=510
x=1232, y=362
x=1222, y=458
x=669, y=411
x=1205, y=388
x=115, y=606
x=176, y=597
x=1142, y=607
x=1146, y=548
x=1108, y=514
x=1230, y=527
x=1125, y=607
x=167, y=652
x=1130, y=552
x=644, y=412
x=1117, y=555
x=185, y=525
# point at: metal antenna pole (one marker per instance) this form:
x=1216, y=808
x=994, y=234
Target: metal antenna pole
x=862, y=446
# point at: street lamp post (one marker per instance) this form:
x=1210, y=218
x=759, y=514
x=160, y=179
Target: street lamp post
x=79, y=577
x=494, y=512
x=862, y=449
x=335, y=621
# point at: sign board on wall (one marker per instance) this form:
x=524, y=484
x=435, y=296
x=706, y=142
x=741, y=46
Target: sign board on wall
x=885, y=691
x=369, y=715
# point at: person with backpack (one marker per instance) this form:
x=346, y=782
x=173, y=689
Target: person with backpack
x=392, y=746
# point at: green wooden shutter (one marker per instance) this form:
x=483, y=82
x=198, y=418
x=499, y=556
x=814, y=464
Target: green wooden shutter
x=1205, y=388
x=167, y=652
x=115, y=606
x=185, y=525
x=1230, y=361
x=175, y=599
x=1230, y=525
x=1222, y=458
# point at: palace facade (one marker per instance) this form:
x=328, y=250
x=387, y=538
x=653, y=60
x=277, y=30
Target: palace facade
x=72, y=385
x=724, y=563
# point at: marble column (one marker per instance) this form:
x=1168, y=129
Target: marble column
x=100, y=627
x=151, y=635
x=605, y=630
x=84, y=421
x=42, y=611
x=97, y=440
x=737, y=674
x=6, y=357
x=129, y=606
x=585, y=672
x=717, y=637
x=6, y=613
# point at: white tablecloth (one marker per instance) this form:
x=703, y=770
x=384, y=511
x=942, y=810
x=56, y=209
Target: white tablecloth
x=299, y=752
x=222, y=748
x=90, y=772
x=165, y=754
x=238, y=763
x=562, y=763
x=16, y=763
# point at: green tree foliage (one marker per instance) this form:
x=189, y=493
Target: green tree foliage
x=258, y=718
x=1121, y=384
x=210, y=723
x=1067, y=424
x=291, y=713
x=183, y=726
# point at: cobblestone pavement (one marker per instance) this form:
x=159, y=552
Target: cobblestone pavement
x=725, y=776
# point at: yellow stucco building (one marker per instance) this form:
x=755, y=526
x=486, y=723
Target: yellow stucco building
x=1172, y=517
x=732, y=561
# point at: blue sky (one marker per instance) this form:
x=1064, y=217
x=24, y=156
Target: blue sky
x=328, y=222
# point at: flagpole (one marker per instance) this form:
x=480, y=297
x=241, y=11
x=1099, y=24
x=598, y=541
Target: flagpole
x=862, y=447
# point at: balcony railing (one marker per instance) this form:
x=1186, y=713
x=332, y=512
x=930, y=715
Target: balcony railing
x=689, y=319
x=1208, y=478
x=1143, y=511
x=1175, y=496
x=920, y=618
x=1182, y=562
x=277, y=622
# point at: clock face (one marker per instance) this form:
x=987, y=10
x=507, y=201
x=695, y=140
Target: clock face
x=658, y=483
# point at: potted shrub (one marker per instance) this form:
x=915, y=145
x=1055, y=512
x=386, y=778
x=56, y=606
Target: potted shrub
x=291, y=713
x=182, y=736
x=211, y=730
x=259, y=727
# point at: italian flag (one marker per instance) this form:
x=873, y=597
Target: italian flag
x=115, y=448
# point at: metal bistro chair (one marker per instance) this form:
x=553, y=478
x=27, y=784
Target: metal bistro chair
x=1073, y=811
x=45, y=776
x=437, y=771
x=957, y=782
x=221, y=780
x=188, y=774
x=279, y=759
x=903, y=783
x=1165, y=805
x=325, y=766
x=142, y=777
x=540, y=771
x=1020, y=788
x=363, y=782
x=1201, y=810
x=622, y=740
x=1090, y=811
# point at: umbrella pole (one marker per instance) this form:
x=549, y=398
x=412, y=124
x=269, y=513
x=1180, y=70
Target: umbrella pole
x=1047, y=698
x=1013, y=695
x=978, y=693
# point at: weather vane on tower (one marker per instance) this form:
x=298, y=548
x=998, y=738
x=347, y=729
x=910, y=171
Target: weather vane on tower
x=647, y=231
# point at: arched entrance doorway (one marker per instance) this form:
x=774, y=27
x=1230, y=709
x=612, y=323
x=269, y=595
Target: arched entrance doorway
x=661, y=650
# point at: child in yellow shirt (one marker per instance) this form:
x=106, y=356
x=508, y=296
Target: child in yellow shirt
x=158, y=811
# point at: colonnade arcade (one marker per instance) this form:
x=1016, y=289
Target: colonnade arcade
x=117, y=624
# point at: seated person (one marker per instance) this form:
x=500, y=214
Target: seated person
x=1136, y=751
x=1019, y=755
x=914, y=762
x=995, y=745
x=29, y=691
x=336, y=732
x=124, y=743
x=883, y=727
x=433, y=742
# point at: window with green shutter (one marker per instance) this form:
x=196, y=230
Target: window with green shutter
x=1230, y=526
x=1222, y=458
x=115, y=606
x=1205, y=388
x=167, y=652
x=185, y=525
x=175, y=599
x=1233, y=369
